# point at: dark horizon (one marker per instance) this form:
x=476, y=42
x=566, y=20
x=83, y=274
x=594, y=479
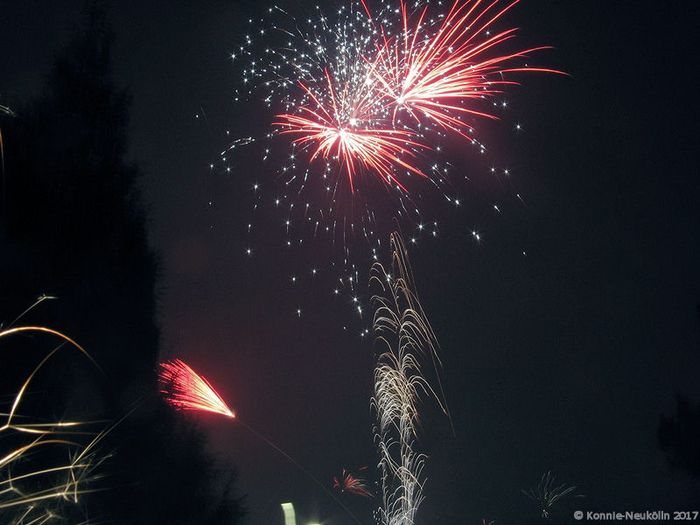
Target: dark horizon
x=564, y=358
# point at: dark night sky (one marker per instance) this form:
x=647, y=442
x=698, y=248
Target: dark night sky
x=562, y=359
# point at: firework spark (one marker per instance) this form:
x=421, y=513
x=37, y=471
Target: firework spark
x=406, y=341
x=184, y=389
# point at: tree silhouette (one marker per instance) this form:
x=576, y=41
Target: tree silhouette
x=72, y=225
x=679, y=436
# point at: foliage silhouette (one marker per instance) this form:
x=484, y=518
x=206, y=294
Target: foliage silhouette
x=679, y=436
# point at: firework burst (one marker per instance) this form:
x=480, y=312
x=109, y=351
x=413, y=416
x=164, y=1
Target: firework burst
x=371, y=92
x=369, y=104
x=184, y=389
x=444, y=73
x=349, y=483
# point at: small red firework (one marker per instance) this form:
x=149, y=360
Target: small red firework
x=348, y=482
x=184, y=389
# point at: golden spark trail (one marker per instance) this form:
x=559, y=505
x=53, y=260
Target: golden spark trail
x=32, y=486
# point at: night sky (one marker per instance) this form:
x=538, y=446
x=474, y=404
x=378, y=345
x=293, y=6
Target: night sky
x=561, y=358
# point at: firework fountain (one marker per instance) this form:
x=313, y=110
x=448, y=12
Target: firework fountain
x=406, y=346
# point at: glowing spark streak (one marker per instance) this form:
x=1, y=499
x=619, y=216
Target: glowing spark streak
x=184, y=389
x=77, y=473
x=40, y=329
x=46, y=330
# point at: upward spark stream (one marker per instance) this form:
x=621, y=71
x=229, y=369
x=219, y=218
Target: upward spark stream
x=406, y=344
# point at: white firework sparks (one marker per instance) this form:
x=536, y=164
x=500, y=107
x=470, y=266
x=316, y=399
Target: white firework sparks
x=406, y=344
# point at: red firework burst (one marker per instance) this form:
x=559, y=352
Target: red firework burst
x=347, y=482
x=184, y=389
x=373, y=148
x=447, y=75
